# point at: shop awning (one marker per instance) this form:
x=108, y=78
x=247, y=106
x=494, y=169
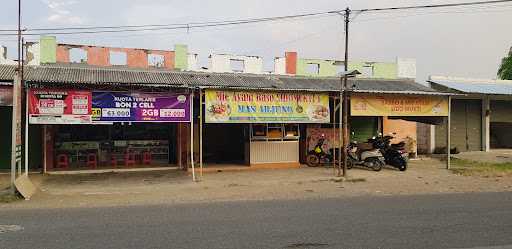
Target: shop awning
x=66, y=75
x=424, y=120
x=473, y=86
x=7, y=74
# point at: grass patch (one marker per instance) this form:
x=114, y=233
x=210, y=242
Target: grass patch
x=472, y=168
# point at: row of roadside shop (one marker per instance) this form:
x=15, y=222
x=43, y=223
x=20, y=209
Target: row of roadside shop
x=87, y=117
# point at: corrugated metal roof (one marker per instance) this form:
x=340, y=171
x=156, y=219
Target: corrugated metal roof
x=472, y=86
x=7, y=72
x=80, y=74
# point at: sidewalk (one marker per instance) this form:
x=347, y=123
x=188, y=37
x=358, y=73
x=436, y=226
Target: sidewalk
x=425, y=176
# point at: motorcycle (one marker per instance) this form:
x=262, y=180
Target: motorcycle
x=394, y=154
x=367, y=155
x=318, y=156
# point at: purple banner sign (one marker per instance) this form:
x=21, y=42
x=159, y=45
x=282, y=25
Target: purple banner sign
x=140, y=107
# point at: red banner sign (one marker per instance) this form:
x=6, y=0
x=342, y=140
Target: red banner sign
x=57, y=106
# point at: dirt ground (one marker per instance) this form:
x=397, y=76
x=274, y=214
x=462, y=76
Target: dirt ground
x=426, y=176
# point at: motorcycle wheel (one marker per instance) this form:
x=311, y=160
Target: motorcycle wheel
x=350, y=163
x=312, y=160
x=375, y=164
x=402, y=164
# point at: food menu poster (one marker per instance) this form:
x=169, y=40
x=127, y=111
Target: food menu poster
x=140, y=107
x=266, y=107
x=398, y=105
x=49, y=106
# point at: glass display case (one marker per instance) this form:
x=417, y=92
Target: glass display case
x=274, y=132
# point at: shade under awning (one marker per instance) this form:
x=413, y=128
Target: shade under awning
x=425, y=120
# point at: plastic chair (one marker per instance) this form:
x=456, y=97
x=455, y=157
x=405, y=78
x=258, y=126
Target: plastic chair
x=113, y=161
x=92, y=160
x=146, y=158
x=129, y=159
x=62, y=161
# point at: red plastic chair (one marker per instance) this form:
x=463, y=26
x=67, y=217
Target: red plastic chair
x=113, y=161
x=92, y=160
x=62, y=161
x=147, y=158
x=129, y=159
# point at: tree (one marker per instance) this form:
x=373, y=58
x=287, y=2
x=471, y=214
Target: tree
x=505, y=71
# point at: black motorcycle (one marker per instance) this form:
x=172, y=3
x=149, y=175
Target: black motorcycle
x=318, y=156
x=394, y=154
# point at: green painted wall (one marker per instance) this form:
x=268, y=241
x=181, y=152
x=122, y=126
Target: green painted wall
x=48, y=46
x=327, y=67
x=383, y=70
x=180, y=57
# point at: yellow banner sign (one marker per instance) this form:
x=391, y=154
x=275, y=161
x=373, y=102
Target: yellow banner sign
x=266, y=107
x=398, y=105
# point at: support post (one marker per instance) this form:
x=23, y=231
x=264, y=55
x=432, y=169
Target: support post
x=201, y=132
x=340, y=137
x=26, y=131
x=45, y=156
x=345, y=93
x=334, y=156
x=486, y=123
x=448, y=133
x=192, y=136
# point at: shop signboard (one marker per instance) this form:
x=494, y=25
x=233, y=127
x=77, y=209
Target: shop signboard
x=5, y=96
x=398, y=105
x=55, y=106
x=140, y=107
x=266, y=107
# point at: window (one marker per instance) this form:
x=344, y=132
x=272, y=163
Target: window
x=367, y=71
x=237, y=65
x=291, y=131
x=77, y=55
x=259, y=130
x=313, y=68
x=156, y=60
x=274, y=132
x=118, y=58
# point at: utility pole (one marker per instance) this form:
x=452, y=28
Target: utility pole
x=15, y=107
x=345, y=96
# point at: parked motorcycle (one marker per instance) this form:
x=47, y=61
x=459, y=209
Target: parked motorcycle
x=367, y=155
x=394, y=154
x=318, y=156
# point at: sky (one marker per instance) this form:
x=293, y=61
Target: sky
x=462, y=41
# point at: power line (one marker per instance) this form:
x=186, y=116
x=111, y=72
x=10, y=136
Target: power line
x=152, y=27
x=435, y=6
x=197, y=25
x=475, y=11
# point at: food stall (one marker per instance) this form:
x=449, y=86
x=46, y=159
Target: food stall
x=273, y=118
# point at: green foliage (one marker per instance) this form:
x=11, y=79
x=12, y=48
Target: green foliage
x=505, y=70
x=469, y=168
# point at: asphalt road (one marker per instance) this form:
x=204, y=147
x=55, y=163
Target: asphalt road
x=434, y=221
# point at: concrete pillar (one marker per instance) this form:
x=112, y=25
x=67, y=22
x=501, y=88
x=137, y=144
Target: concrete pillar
x=181, y=57
x=48, y=46
x=486, y=123
x=291, y=62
